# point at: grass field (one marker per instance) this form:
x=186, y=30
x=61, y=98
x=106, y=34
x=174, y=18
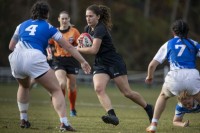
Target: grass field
x=44, y=119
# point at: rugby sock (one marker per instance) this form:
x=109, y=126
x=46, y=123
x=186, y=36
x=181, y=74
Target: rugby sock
x=111, y=112
x=154, y=120
x=149, y=110
x=64, y=120
x=23, y=116
x=147, y=107
x=23, y=108
x=72, y=98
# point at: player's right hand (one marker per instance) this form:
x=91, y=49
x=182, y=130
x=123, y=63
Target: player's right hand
x=186, y=123
x=148, y=80
x=86, y=67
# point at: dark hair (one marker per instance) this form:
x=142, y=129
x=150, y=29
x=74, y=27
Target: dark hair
x=104, y=12
x=40, y=10
x=180, y=28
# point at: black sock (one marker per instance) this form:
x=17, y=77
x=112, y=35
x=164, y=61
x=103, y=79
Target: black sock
x=147, y=107
x=111, y=112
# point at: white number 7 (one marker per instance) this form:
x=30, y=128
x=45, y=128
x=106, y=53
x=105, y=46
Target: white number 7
x=181, y=50
x=32, y=29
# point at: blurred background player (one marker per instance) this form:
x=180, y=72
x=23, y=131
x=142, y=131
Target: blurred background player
x=28, y=60
x=186, y=104
x=66, y=67
x=181, y=52
x=108, y=63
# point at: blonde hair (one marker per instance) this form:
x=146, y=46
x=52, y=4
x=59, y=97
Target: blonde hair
x=183, y=95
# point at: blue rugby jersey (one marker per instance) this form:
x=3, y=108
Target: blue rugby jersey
x=180, y=53
x=34, y=34
x=180, y=110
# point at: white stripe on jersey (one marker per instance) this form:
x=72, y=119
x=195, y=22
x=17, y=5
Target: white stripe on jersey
x=23, y=45
x=57, y=36
x=27, y=45
x=180, y=110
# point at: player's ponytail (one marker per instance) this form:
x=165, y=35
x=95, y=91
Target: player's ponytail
x=106, y=16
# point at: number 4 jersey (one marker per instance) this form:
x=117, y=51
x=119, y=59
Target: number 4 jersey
x=34, y=34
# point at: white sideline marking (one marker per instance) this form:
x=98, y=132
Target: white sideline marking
x=78, y=103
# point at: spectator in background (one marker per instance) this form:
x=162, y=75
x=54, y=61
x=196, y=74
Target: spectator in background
x=181, y=53
x=65, y=65
x=28, y=60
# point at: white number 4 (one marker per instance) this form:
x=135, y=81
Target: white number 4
x=181, y=50
x=31, y=29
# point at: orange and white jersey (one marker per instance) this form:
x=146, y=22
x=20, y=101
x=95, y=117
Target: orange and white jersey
x=71, y=35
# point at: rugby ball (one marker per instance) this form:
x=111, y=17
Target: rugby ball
x=85, y=40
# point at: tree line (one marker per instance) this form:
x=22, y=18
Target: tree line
x=140, y=27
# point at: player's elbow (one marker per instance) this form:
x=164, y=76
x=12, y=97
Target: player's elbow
x=174, y=123
x=11, y=46
x=94, y=51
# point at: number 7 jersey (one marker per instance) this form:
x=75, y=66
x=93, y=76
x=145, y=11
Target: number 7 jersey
x=180, y=53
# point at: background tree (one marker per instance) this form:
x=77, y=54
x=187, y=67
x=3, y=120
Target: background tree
x=140, y=26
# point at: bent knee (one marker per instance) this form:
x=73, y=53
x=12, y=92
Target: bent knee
x=99, y=89
x=166, y=96
x=127, y=93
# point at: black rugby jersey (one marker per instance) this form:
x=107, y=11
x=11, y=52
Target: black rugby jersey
x=106, y=55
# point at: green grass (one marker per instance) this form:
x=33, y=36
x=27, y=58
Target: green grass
x=44, y=119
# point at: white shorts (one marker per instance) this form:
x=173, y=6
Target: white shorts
x=28, y=63
x=179, y=80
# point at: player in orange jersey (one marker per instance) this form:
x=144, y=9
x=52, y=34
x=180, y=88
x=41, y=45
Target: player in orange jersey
x=66, y=67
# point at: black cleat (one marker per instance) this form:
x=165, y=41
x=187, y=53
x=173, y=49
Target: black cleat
x=149, y=109
x=64, y=128
x=73, y=113
x=25, y=124
x=110, y=119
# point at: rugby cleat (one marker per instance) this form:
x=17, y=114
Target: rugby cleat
x=73, y=113
x=64, y=128
x=25, y=124
x=152, y=128
x=110, y=119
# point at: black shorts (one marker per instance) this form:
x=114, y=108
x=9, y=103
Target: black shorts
x=68, y=64
x=113, y=71
x=50, y=62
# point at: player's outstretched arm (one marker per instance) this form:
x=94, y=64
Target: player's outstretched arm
x=177, y=121
x=67, y=46
x=150, y=72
